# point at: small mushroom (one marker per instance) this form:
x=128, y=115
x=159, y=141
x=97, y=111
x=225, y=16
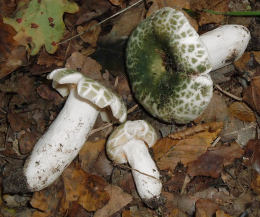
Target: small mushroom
x=63, y=140
x=129, y=143
x=168, y=63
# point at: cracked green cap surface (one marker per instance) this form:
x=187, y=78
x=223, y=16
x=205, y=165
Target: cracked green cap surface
x=88, y=89
x=168, y=67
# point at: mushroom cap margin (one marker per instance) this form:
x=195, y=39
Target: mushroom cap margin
x=138, y=129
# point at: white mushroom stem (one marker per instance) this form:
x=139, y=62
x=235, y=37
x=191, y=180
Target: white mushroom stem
x=61, y=143
x=225, y=44
x=145, y=172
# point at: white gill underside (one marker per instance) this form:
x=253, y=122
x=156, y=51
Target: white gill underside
x=61, y=143
x=140, y=160
x=225, y=44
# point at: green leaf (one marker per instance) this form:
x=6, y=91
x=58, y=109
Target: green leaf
x=40, y=22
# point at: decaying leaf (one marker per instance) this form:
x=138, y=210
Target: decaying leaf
x=37, y=26
x=90, y=152
x=216, y=5
x=252, y=94
x=185, y=146
x=12, y=55
x=49, y=201
x=88, y=190
x=205, y=208
x=211, y=162
x=86, y=65
x=93, y=31
x=217, y=110
x=221, y=213
x=118, y=200
x=241, y=111
x=240, y=131
x=255, y=185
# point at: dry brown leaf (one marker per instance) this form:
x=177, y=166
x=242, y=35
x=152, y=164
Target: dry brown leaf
x=240, y=131
x=242, y=112
x=242, y=64
x=212, y=162
x=217, y=110
x=221, y=213
x=88, y=190
x=46, y=92
x=86, y=65
x=138, y=212
x=12, y=55
x=92, y=34
x=257, y=56
x=124, y=25
x=118, y=200
x=76, y=210
x=49, y=201
x=90, y=152
x=117, y=2
x=252, y=94
x=49, y=60
x=255, y=185
x=18, y=122
x=205, y=208
x=185, y=146
x=216, y=5
x=177, y=4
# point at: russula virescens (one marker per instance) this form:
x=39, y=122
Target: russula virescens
x=129, y=143
x=168, y=63
x=61, y=143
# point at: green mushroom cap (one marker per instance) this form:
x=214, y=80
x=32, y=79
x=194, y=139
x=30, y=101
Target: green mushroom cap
x=168, y=67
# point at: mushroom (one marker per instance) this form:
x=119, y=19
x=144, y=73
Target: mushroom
x=129, y=143
x=168, y=63
x=61, y=143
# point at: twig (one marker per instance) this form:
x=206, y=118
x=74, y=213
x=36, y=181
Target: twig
x=216, y=141
x=227, y=93
x=101, y=22
x=111, y=124
x=129, y=168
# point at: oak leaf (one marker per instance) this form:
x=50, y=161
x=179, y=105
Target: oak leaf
x=185, y=146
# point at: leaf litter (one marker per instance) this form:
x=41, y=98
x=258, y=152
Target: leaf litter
x=208, y=169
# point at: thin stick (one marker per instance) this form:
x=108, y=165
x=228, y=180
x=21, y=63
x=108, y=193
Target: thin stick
x=103, y=21
x=103, y=127
x=129, y=168
x=227, y=93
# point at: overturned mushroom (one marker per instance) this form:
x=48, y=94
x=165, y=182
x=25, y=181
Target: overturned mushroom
x=129, y=143
x=168, y=63
x=61, y=143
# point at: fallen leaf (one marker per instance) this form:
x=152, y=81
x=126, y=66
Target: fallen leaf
x=89, y=153
x=49, y=94
x=240, y=131
x=27, y=141
x=242, y=112
x=49, y=200
x=88, y=190
x=18, y=122
x=118, y=200
x=138, y=212
x=48, y=60
x=123, y=25
x=116, y=2
x=185, y=146
x=37, y=26
x=205, y=208
x=256, y=56
x=77, y=210
x=255, y=184
x=217, y=110
x=7, y=7
x=12, y=55
x=211, y=163
x=216, y=5
x=86, y=65
x=242, y=64
x=252, y=94
x=92, y=32
x=252, y=152
x=221, y=213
